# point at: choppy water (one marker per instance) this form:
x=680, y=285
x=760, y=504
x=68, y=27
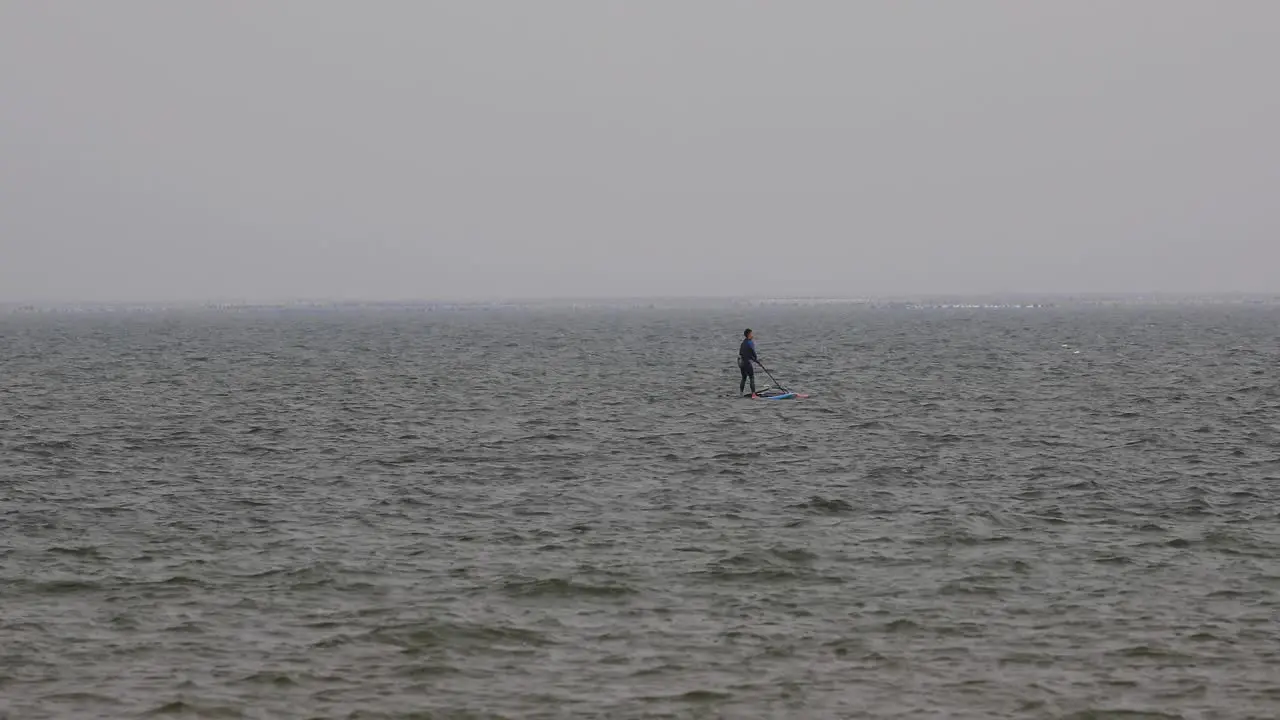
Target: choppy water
x=545, y=514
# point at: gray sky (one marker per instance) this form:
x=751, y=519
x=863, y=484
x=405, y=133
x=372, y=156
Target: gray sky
x=271, y=149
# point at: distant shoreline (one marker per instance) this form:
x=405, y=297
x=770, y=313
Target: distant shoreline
x=917, y=302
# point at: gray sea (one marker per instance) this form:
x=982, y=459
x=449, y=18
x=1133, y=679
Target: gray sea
x=549, y=512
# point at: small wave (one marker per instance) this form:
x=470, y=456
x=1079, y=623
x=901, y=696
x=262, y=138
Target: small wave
x=45, y=448
x=963, y=537
x=179, y=581
x=416, y=637
x=396, y=461
x=88, y=698
x=902, y=625
x=665, y=668
x=186, y=709
x=1231, y=594
x=258, y=429
x=274, y=679
x=692, y=696
x=84, y=551
x=545, y=436
x=1113, y=559
x=766, y=574
x=557, y=587
x=187, y=628
x=704, y=696
x=887, y=472
x=843, y=646
x=798, y=556
x=62, y=587
x=295, y=578
x=748, y=455
x=820, y=504
x=971, y=586
x=1149, y=651
x=426, y=671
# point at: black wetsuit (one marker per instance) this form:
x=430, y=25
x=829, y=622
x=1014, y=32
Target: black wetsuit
x=747, y=355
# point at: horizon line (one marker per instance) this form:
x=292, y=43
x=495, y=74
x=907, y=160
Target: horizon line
x=925, y=297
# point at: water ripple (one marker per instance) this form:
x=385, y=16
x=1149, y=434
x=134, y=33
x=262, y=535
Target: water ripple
x=1063, y=513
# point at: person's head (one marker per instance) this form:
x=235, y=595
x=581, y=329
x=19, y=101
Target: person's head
x=747, y=333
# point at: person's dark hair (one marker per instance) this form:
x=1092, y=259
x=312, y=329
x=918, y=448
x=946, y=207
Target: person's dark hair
x=746, y=332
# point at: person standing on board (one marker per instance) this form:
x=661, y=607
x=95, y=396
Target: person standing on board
x=746, y=356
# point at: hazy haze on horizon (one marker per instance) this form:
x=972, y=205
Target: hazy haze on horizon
x=393, y=150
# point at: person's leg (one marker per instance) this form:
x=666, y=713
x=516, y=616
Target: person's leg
x=751, y=374
x=746, y=370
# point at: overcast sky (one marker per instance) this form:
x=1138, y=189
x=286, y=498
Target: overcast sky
x=271, y=149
